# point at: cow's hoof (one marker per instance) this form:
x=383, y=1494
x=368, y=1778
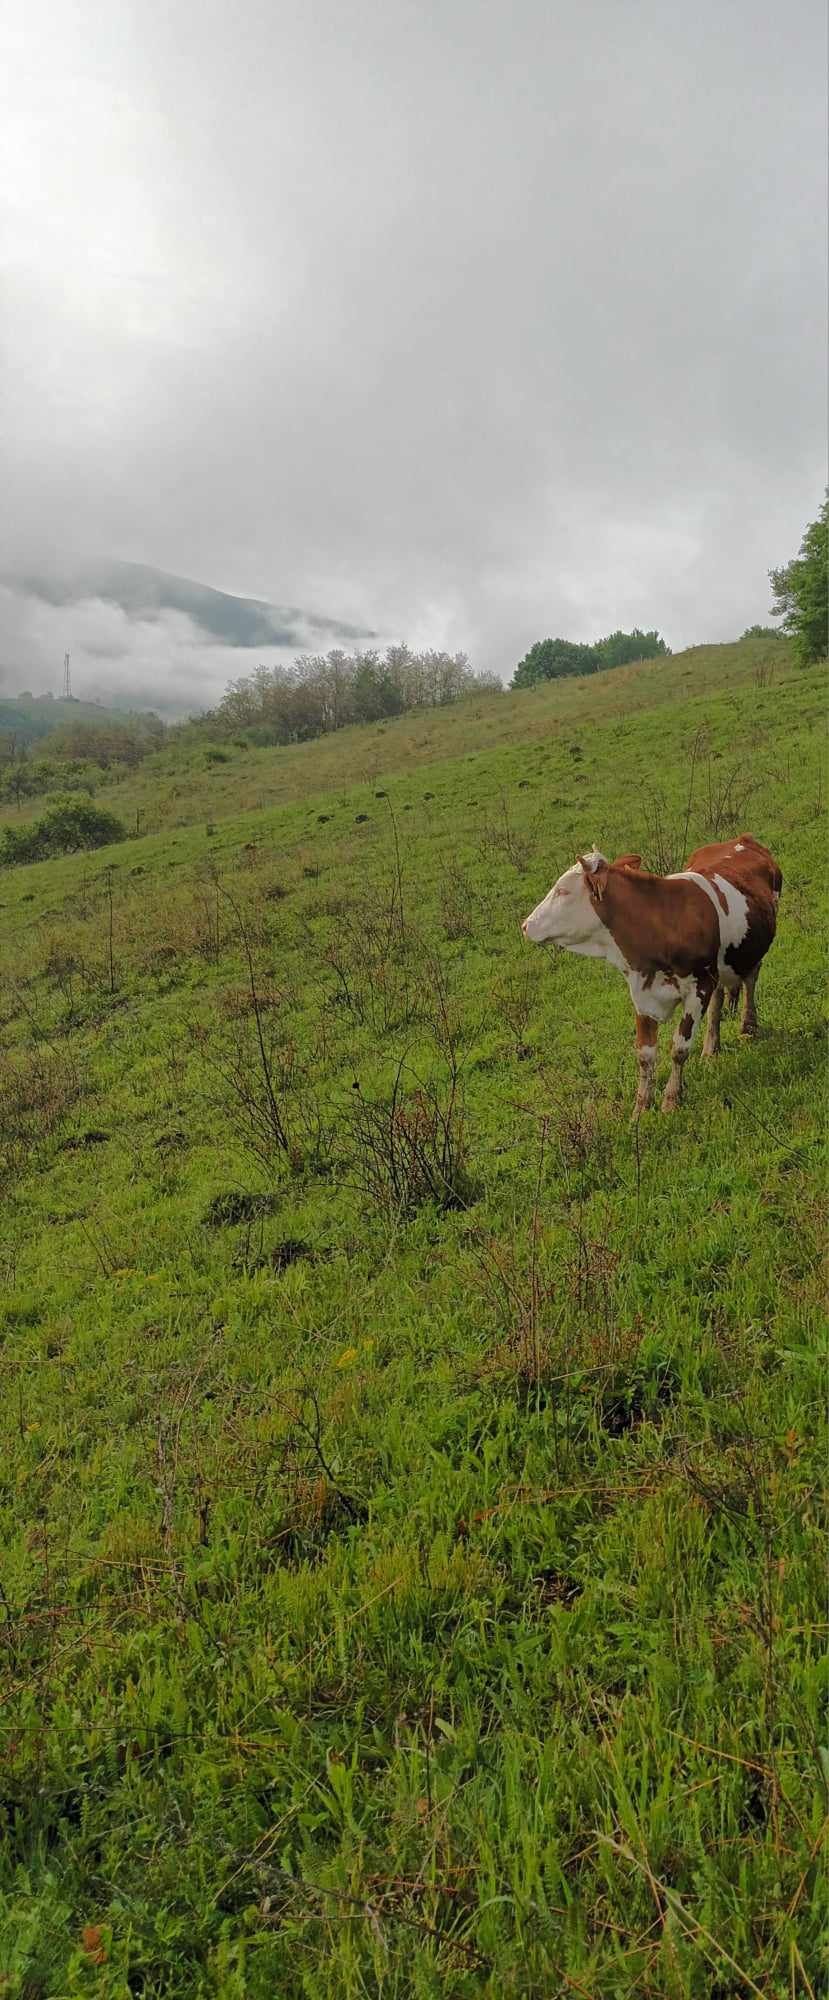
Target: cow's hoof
x=751, y=1032
x=671, y=1103
x=709, y=1053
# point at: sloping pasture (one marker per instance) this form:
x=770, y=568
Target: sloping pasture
x=411, y=1490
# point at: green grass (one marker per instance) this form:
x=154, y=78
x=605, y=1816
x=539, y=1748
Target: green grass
x=413, y=1603
x=185, y=783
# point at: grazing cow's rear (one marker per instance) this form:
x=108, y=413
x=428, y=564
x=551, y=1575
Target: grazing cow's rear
x=680, y=940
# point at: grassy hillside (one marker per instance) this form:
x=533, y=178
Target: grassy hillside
x=198, y=780
x=411, y=1548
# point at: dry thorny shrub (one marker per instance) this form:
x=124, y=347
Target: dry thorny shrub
x=288, y=1461
x=257, y=1076
x=460, y=903
x=740, y=1479
x=499, y=838
x=515, y=998
x=552, y=1313
x=210, y=921
x=373, y=962
x=238, y=1004
x=38, y=1089
x=98, y=933
x=406, y=1148
x=553, y=1302
x=196, y=920
x=252, y=855
x=409, y=1147
x=120, y=926
x=253, y=1059
x=727, y=798
x=68, y=976
x=317, y=1497
x=665, y=837
x=443, y=1012
x=723, y=805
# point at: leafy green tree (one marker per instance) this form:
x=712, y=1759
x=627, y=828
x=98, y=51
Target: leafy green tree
x=548, y=659
x=373, y=693
x=801, y=595
x=621, y=647
x=761, y=632
x=20, y=782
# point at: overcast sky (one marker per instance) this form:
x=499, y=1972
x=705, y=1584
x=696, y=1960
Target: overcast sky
x=465, y=322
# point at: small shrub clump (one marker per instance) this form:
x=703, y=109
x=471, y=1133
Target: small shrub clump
x=69, y=825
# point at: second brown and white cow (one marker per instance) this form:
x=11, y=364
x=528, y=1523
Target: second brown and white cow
x=681, y=940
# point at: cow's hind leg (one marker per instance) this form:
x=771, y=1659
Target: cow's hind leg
x=750, y=1023
x=694, y=1007
x=711, y=1045
x=647, y=1035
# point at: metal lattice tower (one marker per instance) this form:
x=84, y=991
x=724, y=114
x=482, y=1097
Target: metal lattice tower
x=67, y=684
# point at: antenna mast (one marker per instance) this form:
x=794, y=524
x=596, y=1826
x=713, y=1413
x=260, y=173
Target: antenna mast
x=67, y=684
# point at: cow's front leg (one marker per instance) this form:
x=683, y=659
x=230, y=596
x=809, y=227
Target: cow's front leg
x=711, y=1045
x=647, y=1033
x=693, y=1008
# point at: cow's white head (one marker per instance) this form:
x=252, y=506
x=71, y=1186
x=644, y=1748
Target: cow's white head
x=569, y=915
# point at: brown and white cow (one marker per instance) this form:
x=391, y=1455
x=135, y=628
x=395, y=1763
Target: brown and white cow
x=681, y=940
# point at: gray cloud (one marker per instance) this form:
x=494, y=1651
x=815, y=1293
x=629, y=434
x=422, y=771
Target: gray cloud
x=464, y=324
x=146, y=638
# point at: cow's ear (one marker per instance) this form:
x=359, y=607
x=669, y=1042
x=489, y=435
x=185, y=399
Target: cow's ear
x=630, y=861
x=595, y=869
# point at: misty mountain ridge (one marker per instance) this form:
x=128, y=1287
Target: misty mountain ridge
x=146, y=593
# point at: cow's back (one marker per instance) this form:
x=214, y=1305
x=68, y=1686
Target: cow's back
x=753, y=871
x=743, y=861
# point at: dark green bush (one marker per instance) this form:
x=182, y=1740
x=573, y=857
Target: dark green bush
x=70, y=824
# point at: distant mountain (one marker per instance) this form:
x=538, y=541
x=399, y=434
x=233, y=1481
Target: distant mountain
x=146, y=593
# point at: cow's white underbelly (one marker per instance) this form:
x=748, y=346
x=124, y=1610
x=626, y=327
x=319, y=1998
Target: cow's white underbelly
x=657, y=996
